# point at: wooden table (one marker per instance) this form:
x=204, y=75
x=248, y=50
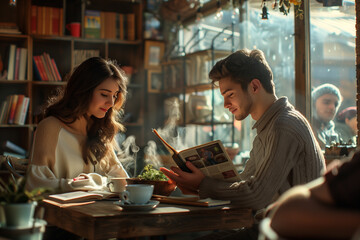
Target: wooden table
x=103, y=219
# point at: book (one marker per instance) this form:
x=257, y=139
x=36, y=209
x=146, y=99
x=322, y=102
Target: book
x=11, y=63
x=18, y=108
x=192, y=201
x=13, y=147
x=17, y=63
x=24, y=108
x=33, y=21
x=82, y=196
x=92, y=21
x=12, y=112
x=23, y=64
x=210, y=158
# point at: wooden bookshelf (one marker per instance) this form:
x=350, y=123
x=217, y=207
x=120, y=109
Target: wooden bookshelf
x=61, y=46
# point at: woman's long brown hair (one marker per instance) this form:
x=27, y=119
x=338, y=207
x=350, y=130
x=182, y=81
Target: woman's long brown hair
x=74, y=101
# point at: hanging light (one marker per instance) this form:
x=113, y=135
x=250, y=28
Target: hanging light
x=219, y=13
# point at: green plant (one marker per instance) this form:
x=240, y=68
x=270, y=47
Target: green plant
x=150, y=173
x=14, y=191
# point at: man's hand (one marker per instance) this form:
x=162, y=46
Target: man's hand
x=187, y=182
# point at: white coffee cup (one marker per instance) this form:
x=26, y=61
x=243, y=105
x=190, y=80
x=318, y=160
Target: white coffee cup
x=137, y=193
x=117, y=184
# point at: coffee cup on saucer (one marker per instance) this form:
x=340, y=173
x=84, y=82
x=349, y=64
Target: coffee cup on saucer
x=117, y=185
x=137, y=194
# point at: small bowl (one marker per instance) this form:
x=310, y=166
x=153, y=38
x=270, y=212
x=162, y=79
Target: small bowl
x=164, y=188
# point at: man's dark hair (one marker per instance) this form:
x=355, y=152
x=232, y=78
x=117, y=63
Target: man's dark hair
x=242, y=67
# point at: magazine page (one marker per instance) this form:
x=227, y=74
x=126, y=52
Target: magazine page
x=212, y=159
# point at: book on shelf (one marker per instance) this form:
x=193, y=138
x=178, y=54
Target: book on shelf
x=92, y=26
x=20, y=100
x=3, y=110
x=12, y=110
x=210, y=158
x=11, y=154
x=9, y=145
x=45, y=68
x=23, y=64
x=131, y=26
x=191, y=200
x=82, y=196
x=21, y=110
x=11, y=62
x=17, y=63
x=33, y=20
x=9, y=28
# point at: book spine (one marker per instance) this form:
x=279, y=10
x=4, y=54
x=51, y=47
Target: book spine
x=61, y=22
x=3, y=109
x=36, y=69
x=23, y=64
x=33, y=24
x=55, y=21
x=49, y=66
x=17, y=63
x=13, y=109
x=131, y=26
x=11, y=63
x=24, y=110
x=58, y=76
x=8, y=108
x=18, y=108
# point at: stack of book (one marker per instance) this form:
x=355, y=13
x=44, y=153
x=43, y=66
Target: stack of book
x=17, y=64
x=11, y=149
x=14, y=109
x=46, y=20
x=9, y=28
x=45, y=68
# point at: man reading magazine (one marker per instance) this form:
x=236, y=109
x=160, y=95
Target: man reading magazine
x=285, y=152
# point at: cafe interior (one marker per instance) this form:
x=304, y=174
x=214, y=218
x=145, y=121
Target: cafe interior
x=167, y=48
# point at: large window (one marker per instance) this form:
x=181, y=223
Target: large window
x=332, y=51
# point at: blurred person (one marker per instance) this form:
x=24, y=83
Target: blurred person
x=285, y=152
x=326, y=208
x=346, y=125
x=326, y=102
x=74, y=145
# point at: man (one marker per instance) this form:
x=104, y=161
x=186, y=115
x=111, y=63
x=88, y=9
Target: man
x=327, y=99
x=285, y=152
x=327, y=208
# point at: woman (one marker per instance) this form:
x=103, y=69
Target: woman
x=346, y=125
x=74, y=146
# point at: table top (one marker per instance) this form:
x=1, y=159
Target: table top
x=103, y=219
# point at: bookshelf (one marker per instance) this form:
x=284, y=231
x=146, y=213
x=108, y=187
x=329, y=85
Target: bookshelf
x=63, y=48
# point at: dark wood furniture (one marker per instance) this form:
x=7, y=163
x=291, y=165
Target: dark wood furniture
x=103, y=219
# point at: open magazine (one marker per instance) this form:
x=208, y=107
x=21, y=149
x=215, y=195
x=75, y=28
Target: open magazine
x=211, y=158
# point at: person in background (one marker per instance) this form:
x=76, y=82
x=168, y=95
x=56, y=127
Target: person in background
x=74, y=145
x=326, y=208
x=326, y=101
x=285, y=152
x=346, y=125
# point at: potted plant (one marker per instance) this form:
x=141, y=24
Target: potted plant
x=18, y=203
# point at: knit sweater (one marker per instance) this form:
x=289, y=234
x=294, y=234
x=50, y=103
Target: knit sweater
x=285, y=153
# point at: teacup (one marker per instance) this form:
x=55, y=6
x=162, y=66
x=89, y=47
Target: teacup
x=117, y=184
x=137, y=193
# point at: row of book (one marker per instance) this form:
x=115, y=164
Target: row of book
x=17, y=64
x=11, y=149
x=45, y=68
x=14, y=109
x=9, y=27
x=82, y=55
x=110, y=25
x=46, y=20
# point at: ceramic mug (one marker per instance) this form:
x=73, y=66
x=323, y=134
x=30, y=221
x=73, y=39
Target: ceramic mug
x=74, y=29
x=117, y=184
x=137, y=193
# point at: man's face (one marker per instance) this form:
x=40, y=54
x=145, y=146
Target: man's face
x=326, y=107
x=236, y=100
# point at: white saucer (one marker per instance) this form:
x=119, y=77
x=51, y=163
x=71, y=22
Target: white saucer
x=138, y=207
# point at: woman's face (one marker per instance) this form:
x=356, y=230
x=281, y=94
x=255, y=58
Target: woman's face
x=103, y=98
